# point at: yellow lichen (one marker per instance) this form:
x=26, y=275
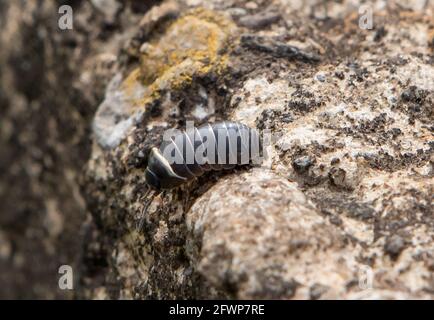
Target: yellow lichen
x=193, y=45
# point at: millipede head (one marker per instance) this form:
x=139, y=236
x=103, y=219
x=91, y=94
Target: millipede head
x=159, y=173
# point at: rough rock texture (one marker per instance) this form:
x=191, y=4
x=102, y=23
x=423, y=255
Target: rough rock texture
x=343, y=206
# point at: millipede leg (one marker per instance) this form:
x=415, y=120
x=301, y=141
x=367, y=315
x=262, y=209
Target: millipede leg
x=151, y=194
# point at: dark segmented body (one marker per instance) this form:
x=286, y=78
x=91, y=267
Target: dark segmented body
x=162, y=173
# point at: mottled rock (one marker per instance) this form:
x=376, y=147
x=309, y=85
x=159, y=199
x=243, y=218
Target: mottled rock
x=255, y=240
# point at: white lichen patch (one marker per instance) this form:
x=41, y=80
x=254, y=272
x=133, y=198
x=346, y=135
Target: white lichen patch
x=303, y=136
x=257, y=95
x=114, y=118
x=416, y=73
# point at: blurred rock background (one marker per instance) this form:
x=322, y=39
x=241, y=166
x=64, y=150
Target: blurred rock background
x=349, y=186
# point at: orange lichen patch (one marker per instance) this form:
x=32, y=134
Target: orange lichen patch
x=131, y=81
x=193, y=45
x=351, y=22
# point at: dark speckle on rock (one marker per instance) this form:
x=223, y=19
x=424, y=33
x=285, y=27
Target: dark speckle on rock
x=394, y=245
x=395, y=132
x=302, y=164
x=335, y=161
x=380, y=33
x=317, y=290
x=273, y=286
x=336, y=220
x=337, y=176
x=286, y=118
x=340, y=75
x=321, y=77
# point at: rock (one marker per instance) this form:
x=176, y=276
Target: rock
x=349, y=172
x=277, y=48
x=260, y=20
x=108, y=7
x=340, y=208
x=254, y=240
